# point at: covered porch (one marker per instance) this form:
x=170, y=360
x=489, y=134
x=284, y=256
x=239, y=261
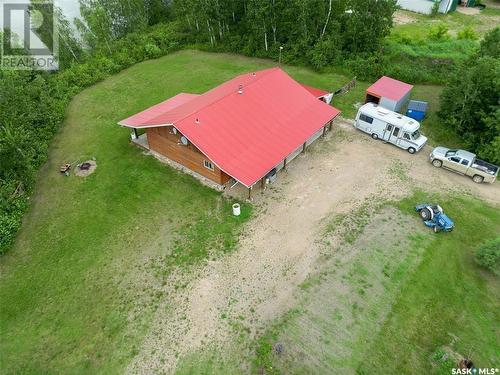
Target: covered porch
x=140, y=140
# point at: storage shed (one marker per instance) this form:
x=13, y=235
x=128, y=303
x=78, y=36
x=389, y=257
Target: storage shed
x=389, y=93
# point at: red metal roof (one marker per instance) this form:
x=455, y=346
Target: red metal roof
x=318, y=93
x=247, y=134
x=142, y=119
x=389, y=88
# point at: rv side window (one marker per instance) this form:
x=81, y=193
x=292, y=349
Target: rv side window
x=395, y=132
x=365, y=118
x=389, y=127
x=406, y=136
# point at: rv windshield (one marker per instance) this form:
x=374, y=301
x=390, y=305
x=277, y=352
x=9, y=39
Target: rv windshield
x=415, y=134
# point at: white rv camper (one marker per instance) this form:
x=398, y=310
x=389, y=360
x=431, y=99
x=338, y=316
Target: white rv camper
x=391, y=127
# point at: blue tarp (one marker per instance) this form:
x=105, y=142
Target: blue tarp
x=417, y=109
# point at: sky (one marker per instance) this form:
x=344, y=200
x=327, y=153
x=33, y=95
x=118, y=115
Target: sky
x=69, y=8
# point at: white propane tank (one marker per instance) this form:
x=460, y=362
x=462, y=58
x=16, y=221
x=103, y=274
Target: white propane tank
x=236, y=209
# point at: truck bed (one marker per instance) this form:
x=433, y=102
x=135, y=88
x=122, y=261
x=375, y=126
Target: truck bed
x=485, y=167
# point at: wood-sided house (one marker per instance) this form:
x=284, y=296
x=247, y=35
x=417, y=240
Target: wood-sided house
x=239, y=131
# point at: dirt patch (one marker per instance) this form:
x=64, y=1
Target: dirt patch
x=242, y=292
x=468, y=10
x=89, y=167
x=402, y=18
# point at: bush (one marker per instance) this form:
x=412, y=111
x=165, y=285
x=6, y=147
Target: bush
x=367, y=67
x=488, y=255
x=438, y=32
x=467, y=33
x=152, y=50
x=469, y=102
x=323, y=54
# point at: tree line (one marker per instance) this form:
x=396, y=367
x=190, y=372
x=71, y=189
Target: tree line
x=317, y=32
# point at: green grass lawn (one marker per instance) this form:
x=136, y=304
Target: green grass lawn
x=397, y=313
x=413, y=39
x=447, y=301
x=455, y=21
x=426, y=49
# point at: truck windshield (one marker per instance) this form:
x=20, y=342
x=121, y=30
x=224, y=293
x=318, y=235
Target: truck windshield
x=450, y=153
x=415, y=134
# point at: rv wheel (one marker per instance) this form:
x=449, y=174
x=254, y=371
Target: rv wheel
x=477, y=179
x=437, y=163
x=374, y=136
x=411, y=150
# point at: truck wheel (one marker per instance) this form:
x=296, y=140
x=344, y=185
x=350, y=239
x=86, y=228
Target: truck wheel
x=437, y=163
x=411, y=150
x=425, y=214
x=374, y=136
x=477, y=179
x=435, y=229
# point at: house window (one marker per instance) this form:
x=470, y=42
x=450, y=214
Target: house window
x=365, y=118
x=208, y=165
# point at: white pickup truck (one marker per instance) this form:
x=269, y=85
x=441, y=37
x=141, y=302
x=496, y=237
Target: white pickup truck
x=465, y=163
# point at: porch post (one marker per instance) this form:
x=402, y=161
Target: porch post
x=250, y=193
x=284, y=164
x=304, y=148
x=330, y=125
x=263, y=184
x=135, y=133
x=324, y=131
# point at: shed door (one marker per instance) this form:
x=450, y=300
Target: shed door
x=372, y=99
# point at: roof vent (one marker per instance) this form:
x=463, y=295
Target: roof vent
x=254, y=74
x=240, y=89
x=197, y=120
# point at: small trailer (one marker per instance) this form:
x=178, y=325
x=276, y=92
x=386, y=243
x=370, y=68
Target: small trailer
x=391, y=127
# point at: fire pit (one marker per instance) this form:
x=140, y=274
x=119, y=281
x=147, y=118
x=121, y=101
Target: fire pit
x=85, y=166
